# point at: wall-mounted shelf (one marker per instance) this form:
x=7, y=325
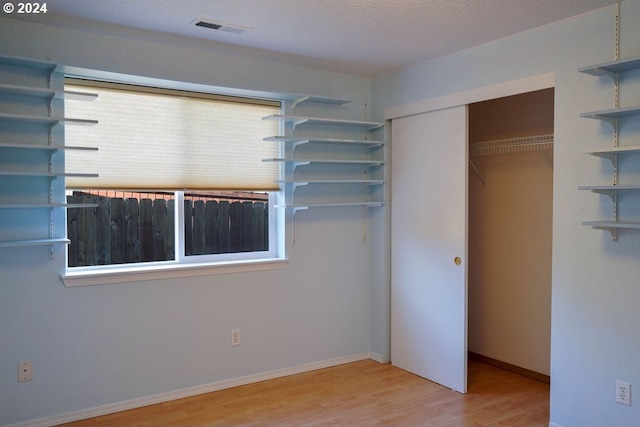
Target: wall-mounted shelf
x=333, y=145
x=48, y=205
x=609, y=190
x=47, y=174
x=612, y=114
x=46, y=93
x=300, y=120
x=305, y=206
x=19, y=99
x=36, y=242
x=611, y=226
x=46, y=119
x=612, y=153
x=333, y=181
x=613, y=69
x=296, y=98
x=300, y=141
x=310, y=161
x=44, y=147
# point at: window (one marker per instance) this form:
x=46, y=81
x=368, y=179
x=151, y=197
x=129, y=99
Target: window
x=181, y=177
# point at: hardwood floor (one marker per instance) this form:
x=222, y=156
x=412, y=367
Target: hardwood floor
x=363, y=393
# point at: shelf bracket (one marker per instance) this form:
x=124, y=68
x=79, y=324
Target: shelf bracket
x=606, y=73
x=475, y=168
x=612, y=230
x=297, y=101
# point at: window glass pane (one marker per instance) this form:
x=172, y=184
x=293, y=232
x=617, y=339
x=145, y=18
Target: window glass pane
x=126, y=227
x=226, y=222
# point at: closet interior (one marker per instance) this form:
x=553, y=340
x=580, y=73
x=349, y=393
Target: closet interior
x=510, y=226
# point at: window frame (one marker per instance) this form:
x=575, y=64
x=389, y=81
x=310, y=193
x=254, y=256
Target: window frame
x=183, y=265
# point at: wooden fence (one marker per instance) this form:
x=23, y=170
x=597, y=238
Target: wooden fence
x=128, y=230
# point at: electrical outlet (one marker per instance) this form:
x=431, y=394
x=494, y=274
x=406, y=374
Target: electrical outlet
x=235, y=337
x=623, y=393
x=25, y=371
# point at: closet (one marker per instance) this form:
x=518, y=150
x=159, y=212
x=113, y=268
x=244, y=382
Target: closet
x=510, y=226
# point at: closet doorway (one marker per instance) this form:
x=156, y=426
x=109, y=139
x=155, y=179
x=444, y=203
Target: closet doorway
x=510, y=228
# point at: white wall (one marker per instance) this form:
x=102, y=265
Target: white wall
x=100, y=345
x=595, y=289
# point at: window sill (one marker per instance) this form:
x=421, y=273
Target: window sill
x=172, y=271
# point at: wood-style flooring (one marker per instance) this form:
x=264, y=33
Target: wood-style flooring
x=363, y=393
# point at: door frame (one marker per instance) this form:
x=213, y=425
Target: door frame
x=484, y=93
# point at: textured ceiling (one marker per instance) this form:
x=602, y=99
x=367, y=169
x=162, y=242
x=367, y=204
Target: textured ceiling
x=362, y=37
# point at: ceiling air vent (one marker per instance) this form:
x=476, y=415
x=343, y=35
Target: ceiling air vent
x=220, y=26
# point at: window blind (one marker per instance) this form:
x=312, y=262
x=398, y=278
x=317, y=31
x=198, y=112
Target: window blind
x=166, y=140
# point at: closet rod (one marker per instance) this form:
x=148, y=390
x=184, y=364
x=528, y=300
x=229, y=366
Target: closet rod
x=511, y=145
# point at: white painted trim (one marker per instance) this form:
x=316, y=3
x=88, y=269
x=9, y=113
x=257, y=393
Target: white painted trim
x=498, y=90
x=167, y=271
x=187, y=392
x=377, y=357
x=554, y=424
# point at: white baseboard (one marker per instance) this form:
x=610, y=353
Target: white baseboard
x=377, y=357
x=192, y=391
x=554, y=424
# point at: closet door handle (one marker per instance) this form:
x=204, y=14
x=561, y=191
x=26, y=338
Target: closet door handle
x=457, y=260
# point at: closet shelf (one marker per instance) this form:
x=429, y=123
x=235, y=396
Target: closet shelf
x=300, y=120
x=612, y=67
x=298, y=141
x=511, y=145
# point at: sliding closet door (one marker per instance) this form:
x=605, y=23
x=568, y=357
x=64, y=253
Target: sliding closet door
x=429, y=246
